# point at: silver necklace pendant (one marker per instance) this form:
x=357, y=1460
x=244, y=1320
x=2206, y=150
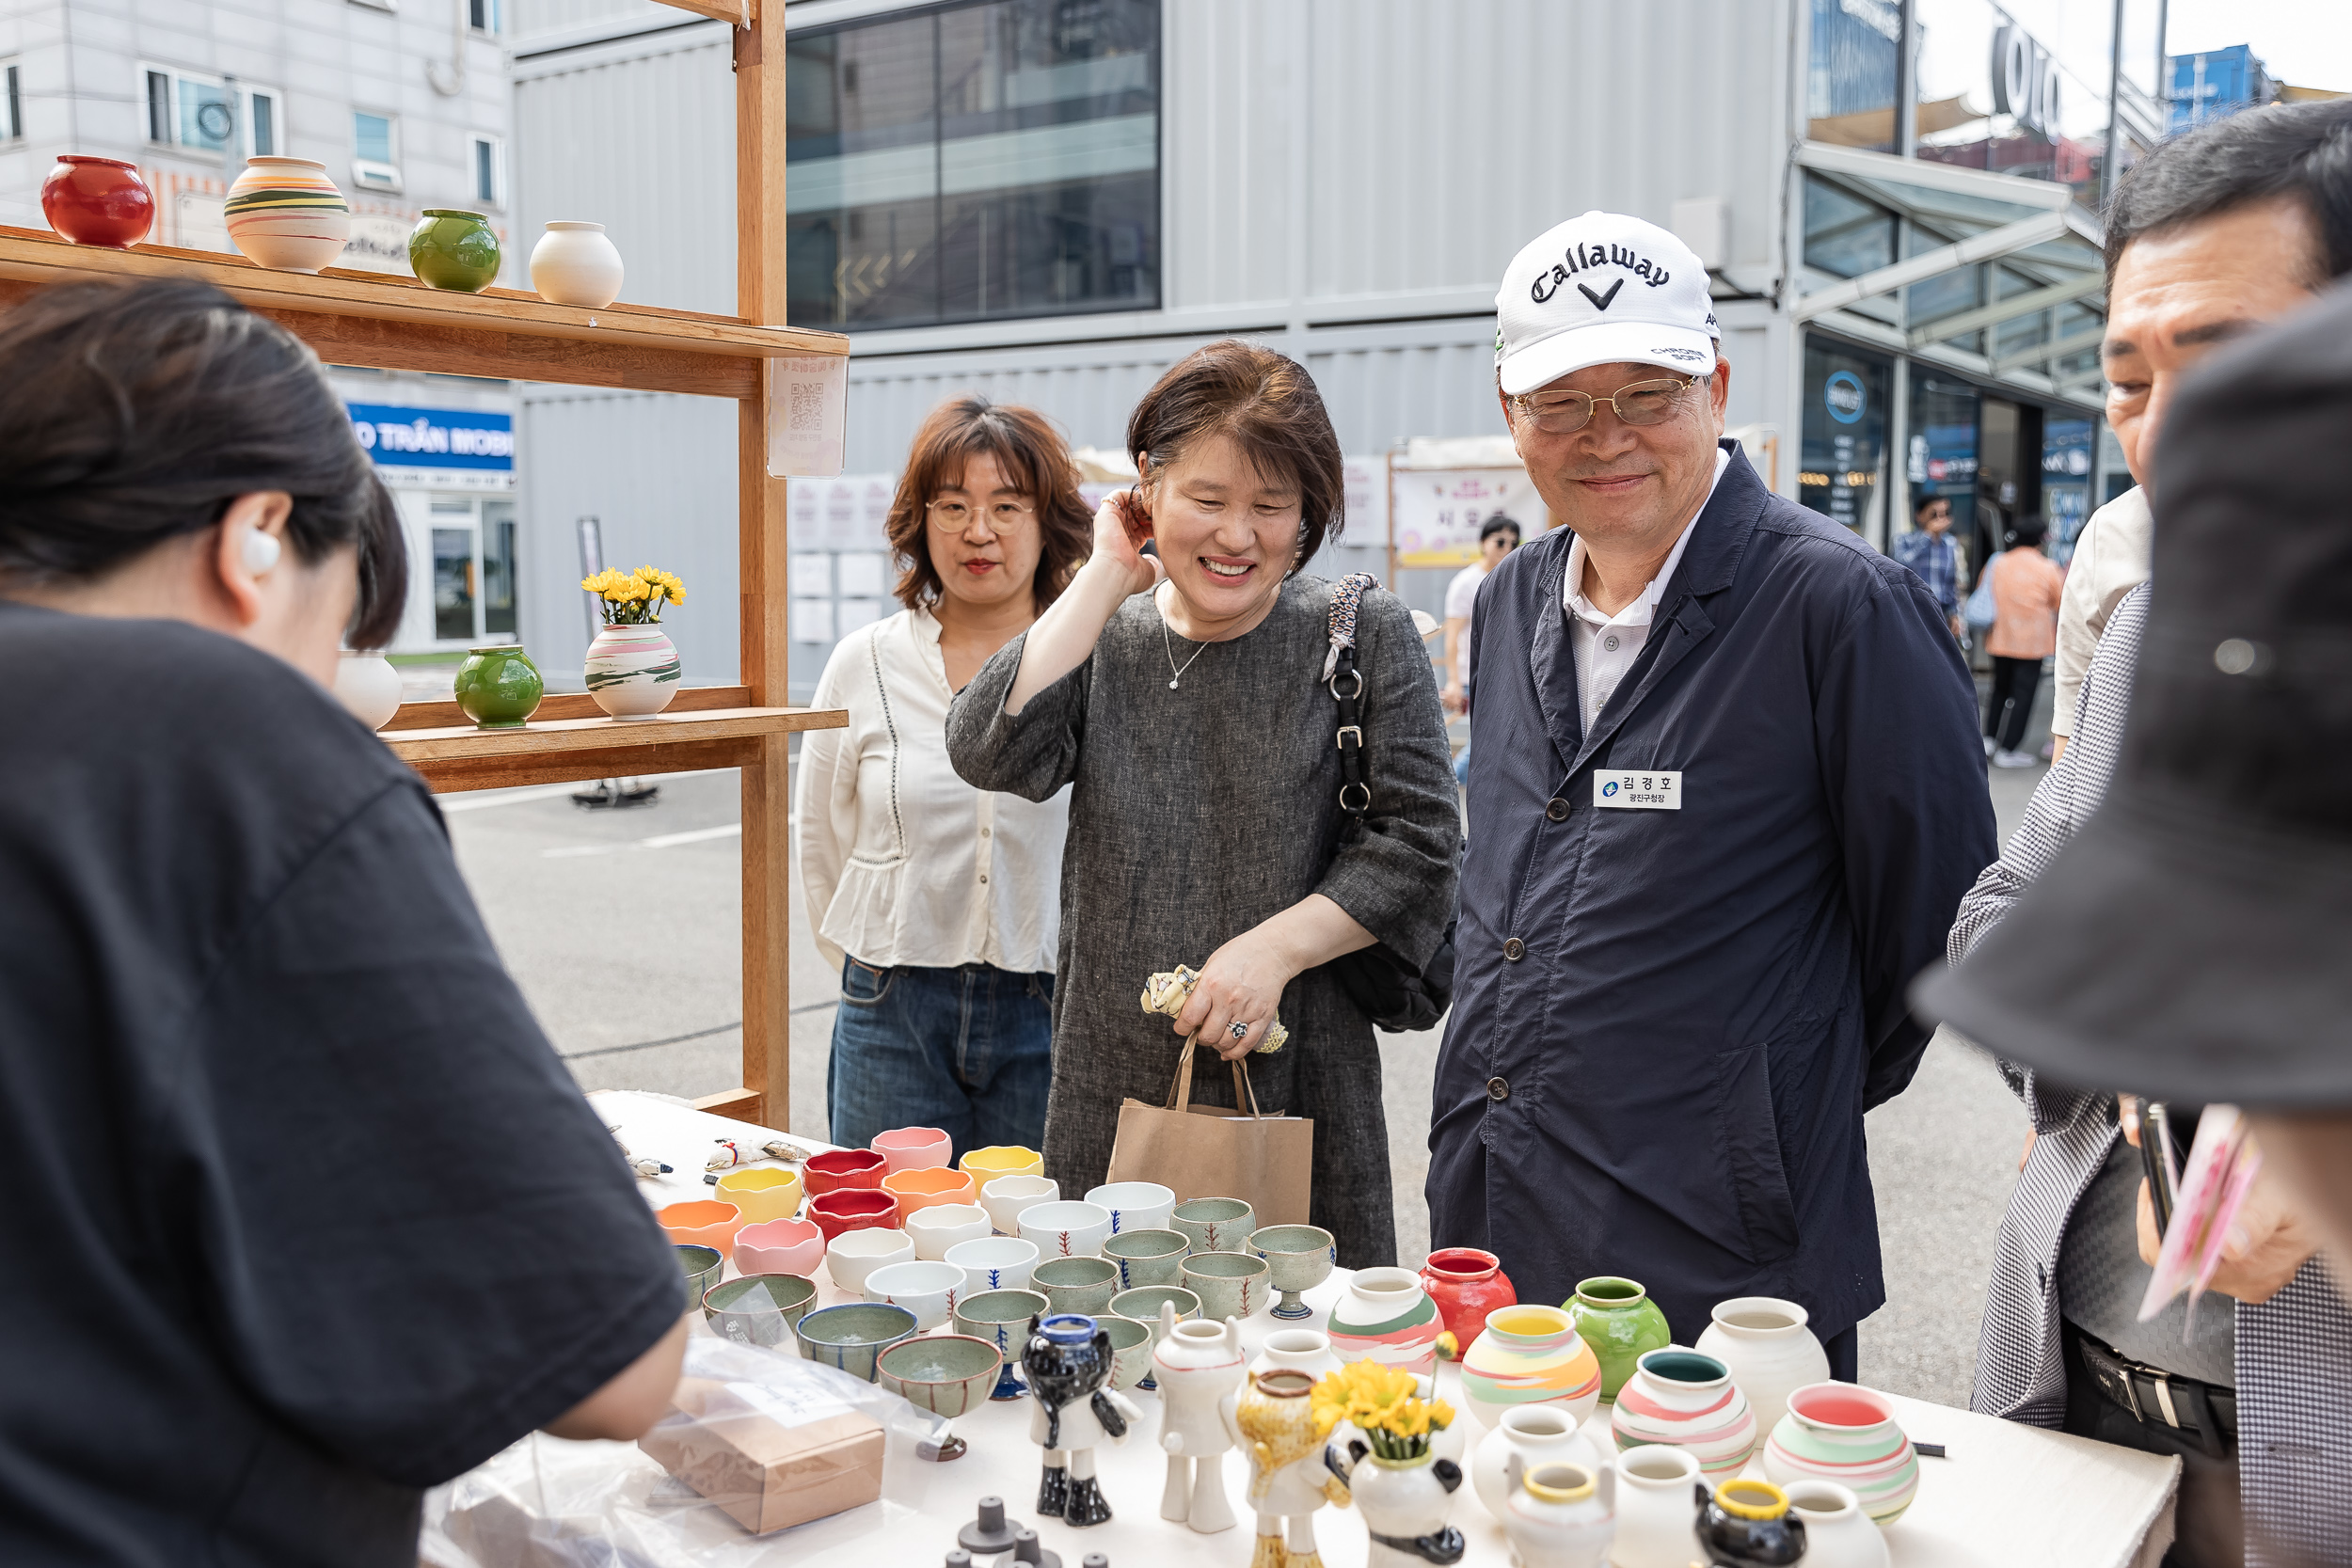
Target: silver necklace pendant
x=1172, y=685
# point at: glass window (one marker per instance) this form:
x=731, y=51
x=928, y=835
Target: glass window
x=12, y=110
x=158, y=106
x=263, y=125
x=371, y=137
x=453, y=584
x=205, y=113
x=483, y=15
x=2066, y=482
x=1845, y=235
x=981, y=161
x=2019, y=88
x=1845, y=435
x=497, y=568
x=1850, y=81
x=486, y=172
x=206, y=120
x=1943, y=458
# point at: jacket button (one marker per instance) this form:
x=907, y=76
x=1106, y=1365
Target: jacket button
x=1514, y=950
x=1498, y=1089
x=1557, y=810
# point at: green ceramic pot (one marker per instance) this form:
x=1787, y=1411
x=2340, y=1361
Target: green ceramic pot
x=453, y=249
x=499, y=686
x=1619, y=1320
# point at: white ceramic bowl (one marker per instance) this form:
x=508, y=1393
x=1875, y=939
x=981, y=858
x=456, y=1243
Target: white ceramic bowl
x=1134, y=1205
x=994, y=1263
x=1066, y=1229
x=941, y=1226
x=1007, y=1195
x=855, y=1254
x=925, y=1289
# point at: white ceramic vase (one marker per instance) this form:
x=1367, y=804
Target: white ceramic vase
x=1657, y=1488
x=1388, y=1316
x=1771, y=1351
x=368, y=687
x=1403, y=1499
x=1561, y=1516
x=1297, y=1349
x=574, y=264
x=1837, y=1534
x=1197, y=1364
x=633, y=671
x=1533, y=1436
x=285, y=212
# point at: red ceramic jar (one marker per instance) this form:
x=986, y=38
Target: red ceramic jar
x=1466, y=1284
x=98, y=201
x=854, y=1208
x=839, y=1168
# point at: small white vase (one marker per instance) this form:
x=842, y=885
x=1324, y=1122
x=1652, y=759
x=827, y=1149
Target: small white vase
x=1562, y=1516
x=1386, y=1316
x=1536, y=1435
x=286, y=213
x=1837, y=1534
x=574, y=264
x=1297, y=1349
x=1771, y=1351
x=1657, y=1509
x=632, y=671
x=368, y=687
x=1403, y=1499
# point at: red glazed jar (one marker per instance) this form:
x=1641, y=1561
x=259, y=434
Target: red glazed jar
x=854, y=1208
x=838, y=1168
x=99, y=201
x=1466, y=1284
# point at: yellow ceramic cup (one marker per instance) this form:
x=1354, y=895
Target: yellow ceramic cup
x=987, y=1165
x=764, y=1193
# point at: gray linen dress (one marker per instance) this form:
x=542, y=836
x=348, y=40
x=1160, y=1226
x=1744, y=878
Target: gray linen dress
x=1197, y=813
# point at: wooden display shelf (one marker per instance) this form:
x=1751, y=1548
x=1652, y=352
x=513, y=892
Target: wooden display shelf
x=558, y=751
x=373, y=319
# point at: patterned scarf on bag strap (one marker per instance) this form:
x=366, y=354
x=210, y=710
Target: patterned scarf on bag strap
x=1344, y=599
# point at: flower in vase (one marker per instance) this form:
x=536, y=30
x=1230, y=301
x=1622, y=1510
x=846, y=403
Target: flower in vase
x=634, y=598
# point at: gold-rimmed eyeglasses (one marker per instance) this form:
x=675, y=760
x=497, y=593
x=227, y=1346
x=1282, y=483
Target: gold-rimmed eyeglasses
x=1643, y=402
x=954, y=516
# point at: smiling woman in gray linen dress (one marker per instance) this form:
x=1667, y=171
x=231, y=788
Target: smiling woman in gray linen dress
x=1204, y=819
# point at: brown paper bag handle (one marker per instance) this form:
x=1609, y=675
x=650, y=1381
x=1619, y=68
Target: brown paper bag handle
x=1180, y=1096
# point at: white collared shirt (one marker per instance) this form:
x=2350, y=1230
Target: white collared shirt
x=901, y=862
x=1607, y=645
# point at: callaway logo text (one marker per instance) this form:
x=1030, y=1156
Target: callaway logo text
x=1581, y=258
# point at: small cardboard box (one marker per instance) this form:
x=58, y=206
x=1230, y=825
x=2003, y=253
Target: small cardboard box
x=765, y=1474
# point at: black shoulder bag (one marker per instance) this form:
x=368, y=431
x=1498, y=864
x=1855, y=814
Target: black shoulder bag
x=1391, y=992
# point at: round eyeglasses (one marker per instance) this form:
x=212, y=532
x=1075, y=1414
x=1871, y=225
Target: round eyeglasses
x=1645, y=403
x=954, y=516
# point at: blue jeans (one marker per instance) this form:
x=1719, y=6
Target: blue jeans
x=969, y=1051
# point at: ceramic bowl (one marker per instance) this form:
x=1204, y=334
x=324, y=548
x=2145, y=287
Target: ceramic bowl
x=1131, y=1349
x=779, y=1246
x=836, y=1168
x=1144, y=1304
x=853, y=1209
x=704, y=1222
x=1003, y=1319
x=1215, y=1224
x=986, y=1165
x=947, y=1374
x=1081, y=1284
x=1229, y=1284
x=927, y=1289
x=1066, y=1229
x=993, y=1262
x=763, y=1193
x=913, y=1148
x=1007, y=1197
x=852, y=1337
x=920, y=1189
x=1299, y=1258
x=1147, y=1257
x=704, y=1266
x=1134, y=1205
x=759, y=1308
x=938, y=1227
x=855, y=1254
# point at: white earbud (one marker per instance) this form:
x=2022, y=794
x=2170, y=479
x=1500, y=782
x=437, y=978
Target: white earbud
x=260, y=551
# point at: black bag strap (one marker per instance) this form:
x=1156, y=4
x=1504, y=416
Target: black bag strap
x=1346, y=682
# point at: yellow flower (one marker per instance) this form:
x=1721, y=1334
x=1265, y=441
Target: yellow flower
x=1449, y=1348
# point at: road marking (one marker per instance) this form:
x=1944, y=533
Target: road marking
x=472, y=801
x=660, y=841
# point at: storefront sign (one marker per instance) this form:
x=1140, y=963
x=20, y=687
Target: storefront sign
x=1844, y=397
x=1437, y=513
x=2025, y=82
x=456, y=448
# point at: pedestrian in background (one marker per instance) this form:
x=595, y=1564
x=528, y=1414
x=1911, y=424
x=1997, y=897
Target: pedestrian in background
x=936, y=900
x=1498, y=538
x=1929, y=550
x=2026, y=589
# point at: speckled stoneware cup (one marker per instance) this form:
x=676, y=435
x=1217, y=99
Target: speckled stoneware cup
x=1143, y=1304
x=1229, y=1284
x=853, y=1336
x=704, y=1266
x=1300, y=1258
x=1147, y=1257
x=759, y=1308
x=1002, y=1318
x=1215, y=1224
x=1131, y=1349
x=1081, y=1284
x=947, y=1374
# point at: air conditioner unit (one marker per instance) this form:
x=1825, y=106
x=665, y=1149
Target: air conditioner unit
x=374, y=176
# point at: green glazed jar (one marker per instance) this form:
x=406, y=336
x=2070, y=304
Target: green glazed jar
x=499, y=686
x=1619, y=1320
x=453, y=249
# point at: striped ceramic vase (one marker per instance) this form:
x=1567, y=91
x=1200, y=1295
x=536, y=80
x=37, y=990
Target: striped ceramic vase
x=285, y=212
x=632, y=671
x=1529, y=1354
x=1388, y=1317
x=1842, y=1433
x=1681, y=1398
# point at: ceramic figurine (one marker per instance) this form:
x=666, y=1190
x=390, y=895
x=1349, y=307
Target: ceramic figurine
x=1530, y=1437
x=98, y=201
x=1272, y=1421
x=1529, y=1354
x=1466, y=1284
x=1068, y=1360
x=1837, y=1534
x=574, y=264
x=498, y=689
x=1196, y=1365
x=1846, y=1433
x=1680, y=1397
x=1771, y=1351
x=1561, y=1516
x=368, y=687
x=1386, y=1315
x=450, y=248
x=1404, y=1503
x=632, y=670
x=1619, y=1320
x=1746, y=1523
x=286, y=213
x=1300, y=1256
x=1654, y=1513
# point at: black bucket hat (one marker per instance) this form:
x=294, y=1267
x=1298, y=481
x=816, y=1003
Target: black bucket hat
x=2194, y=942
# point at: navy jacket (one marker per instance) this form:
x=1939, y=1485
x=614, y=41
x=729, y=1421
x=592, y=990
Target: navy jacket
x=1668, y=1083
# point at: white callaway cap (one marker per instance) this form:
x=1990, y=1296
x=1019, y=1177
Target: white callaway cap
x=1598, y=289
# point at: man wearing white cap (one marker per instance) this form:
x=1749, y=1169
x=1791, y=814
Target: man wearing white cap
x=1728, y=793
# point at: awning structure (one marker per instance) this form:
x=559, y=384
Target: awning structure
x=2037, y=310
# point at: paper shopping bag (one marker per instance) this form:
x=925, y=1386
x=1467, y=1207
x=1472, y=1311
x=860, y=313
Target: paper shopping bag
x=1267, y=1161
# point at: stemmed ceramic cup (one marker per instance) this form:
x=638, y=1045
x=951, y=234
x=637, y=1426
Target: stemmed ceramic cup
x=1299, y=1258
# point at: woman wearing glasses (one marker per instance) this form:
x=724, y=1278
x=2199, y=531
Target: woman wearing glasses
x=936, y=900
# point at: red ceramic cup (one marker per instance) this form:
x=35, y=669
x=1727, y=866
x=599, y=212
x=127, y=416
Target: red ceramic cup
x=854, y=1208
x=99, y=201
x=838, y=1168
x=1466, y=1284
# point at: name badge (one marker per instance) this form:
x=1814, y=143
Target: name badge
x=1638, y=791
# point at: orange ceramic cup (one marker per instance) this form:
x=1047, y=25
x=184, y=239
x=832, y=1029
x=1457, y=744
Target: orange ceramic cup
x=705, y=1222
x=920, y=1189
x=987, y=1165
x=764, y=1193
x=913, y=1148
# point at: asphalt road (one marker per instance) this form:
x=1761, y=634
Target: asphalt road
x=621, y=926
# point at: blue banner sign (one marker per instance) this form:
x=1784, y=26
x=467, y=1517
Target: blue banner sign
x=434, y=438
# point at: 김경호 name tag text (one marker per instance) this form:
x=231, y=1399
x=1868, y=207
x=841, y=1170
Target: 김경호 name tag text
x=1638, y=791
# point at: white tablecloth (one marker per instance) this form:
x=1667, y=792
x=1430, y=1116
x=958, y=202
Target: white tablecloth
x=2006, y=1496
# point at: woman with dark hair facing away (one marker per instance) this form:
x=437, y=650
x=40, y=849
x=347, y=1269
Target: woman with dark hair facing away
x=936, y=900
x=1184, y=695
x=324, y=1220
x=2026, y=586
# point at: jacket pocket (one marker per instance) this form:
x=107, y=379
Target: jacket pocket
x=1748, y=1133
x=863, y=984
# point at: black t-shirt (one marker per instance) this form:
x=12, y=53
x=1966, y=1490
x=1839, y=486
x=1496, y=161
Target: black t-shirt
x=299, y=1214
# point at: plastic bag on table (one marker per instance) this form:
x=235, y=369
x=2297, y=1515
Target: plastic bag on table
x=547, y=1503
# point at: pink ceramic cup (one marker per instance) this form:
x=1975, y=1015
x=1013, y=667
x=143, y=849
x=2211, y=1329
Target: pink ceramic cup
x=854, y=1208
x=704, y=1222
x=913, y=1148
x=780, y=1246
x=839, y=1168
